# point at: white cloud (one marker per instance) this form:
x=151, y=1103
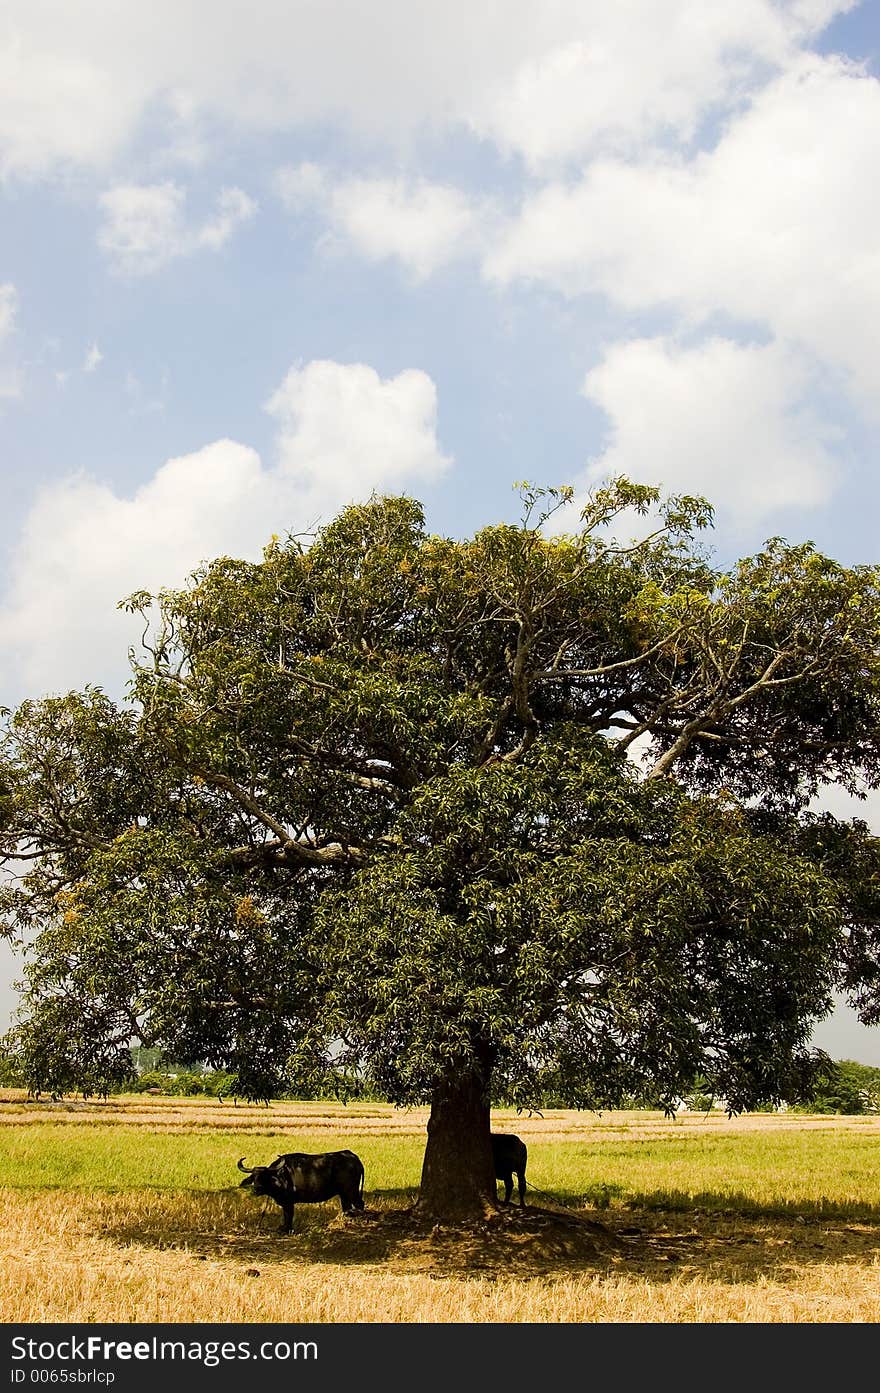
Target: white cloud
x=234, y=207
x=10, y=376
x=546, y=80
x=777, y=226
x=344, y=429
x=423, y=225
x=636, y=74
x=58, y=106
x=93, y=357
x=144, y=226
x=303, y=187
x=343, y=432
x=731, y=421
x=8, y=309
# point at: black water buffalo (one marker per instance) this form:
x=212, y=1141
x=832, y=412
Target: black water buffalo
x=509, y=1153
x=298, y=1178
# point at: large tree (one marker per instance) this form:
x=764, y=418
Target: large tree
x=517, y=816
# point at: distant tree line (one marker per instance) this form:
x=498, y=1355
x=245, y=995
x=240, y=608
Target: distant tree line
x=844, y=1086
x=850, y=1088
x=150, y=1071
x=847, y=1087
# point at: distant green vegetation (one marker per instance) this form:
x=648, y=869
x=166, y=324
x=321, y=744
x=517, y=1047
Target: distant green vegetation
x=847, y=1088
x=850, y=1088
x=184, y=1083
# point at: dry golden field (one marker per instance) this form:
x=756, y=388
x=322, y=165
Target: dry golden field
x=130, y=1210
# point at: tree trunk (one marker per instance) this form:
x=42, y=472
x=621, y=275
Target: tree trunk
x=458, y=1175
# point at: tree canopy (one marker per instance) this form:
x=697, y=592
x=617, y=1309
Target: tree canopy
x=521, y=814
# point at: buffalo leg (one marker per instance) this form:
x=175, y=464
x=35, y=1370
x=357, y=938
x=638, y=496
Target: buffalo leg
x=521, y=1179
x=287, y=1226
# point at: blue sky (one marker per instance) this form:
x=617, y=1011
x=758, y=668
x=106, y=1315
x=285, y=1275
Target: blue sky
x=259, y=259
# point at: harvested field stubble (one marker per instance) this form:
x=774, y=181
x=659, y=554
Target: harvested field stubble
x=766, y=1218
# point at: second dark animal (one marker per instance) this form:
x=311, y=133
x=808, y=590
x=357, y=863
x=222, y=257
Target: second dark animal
x=299, y=1178
x=510, y=1154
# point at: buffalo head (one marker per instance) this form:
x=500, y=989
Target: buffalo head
x=274, y=1180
